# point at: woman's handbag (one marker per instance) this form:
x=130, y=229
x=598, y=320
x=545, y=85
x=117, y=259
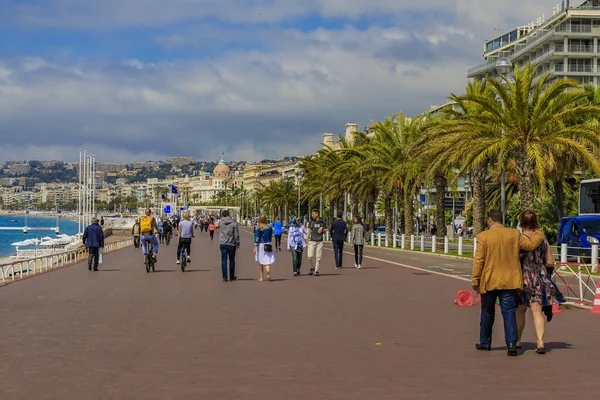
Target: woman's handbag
x=268, y=248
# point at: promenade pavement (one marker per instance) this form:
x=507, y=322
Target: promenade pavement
x=383, y=332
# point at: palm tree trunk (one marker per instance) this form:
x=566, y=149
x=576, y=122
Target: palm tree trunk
x=479, y=178
x=559, y=196
x=441, y=184
x=387, y=210
x=409, y=224
x=354, y=204
x=526, y=186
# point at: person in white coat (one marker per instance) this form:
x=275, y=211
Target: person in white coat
x=296, y=243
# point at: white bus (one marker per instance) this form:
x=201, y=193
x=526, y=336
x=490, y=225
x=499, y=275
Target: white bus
x=589, y=197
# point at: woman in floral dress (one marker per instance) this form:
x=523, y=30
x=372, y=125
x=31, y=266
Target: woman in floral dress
x=538, y=289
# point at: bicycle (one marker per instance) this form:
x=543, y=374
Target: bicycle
x=183, y=259
x=149, y=259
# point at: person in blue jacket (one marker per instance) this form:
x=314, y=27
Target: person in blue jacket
x=277, y=232
x=93, y=239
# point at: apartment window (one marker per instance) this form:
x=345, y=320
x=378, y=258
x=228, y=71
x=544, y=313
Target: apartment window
x=513, y=35
x=505, y=39
x=596, y=22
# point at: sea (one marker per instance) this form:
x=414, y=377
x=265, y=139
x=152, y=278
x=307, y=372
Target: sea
x=7, y=237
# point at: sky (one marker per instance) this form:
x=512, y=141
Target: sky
x=138, y=80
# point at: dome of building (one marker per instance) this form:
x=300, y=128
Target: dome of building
x=221, y=170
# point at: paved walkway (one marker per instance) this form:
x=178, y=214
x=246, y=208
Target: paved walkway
x=383, y=332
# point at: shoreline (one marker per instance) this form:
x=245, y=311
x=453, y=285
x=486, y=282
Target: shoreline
x=72, y=216
x=68, y=216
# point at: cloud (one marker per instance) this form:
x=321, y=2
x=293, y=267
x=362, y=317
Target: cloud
x=252, y=89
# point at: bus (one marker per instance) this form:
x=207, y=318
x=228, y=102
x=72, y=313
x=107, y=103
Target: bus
x=589, y=197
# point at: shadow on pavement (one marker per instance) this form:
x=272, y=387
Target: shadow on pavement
x=197, y=270
x=108, y=270
x=166, y=270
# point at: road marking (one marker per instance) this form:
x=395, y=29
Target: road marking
x=409, y=266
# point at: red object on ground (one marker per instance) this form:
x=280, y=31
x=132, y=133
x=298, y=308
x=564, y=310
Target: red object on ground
x=596, y=307
x=478, y=298
x=556, y=308
x=464, y=298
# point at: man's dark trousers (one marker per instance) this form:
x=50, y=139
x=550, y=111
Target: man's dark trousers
x=338, y=251
x=508, y=306
x=227, y=251
x=93, y=257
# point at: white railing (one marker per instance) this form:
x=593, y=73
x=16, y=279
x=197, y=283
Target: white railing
x=542, y=36
x=37, y=265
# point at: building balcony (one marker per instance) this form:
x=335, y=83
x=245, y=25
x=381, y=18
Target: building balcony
x=575, y=69
x=586, y=29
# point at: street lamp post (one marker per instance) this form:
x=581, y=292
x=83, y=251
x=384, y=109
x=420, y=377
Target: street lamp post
x=504, y=66
x=299, y=174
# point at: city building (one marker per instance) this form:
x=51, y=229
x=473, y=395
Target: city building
x=349, y=136
x=145, y=164
x=250, y=175
x=205, y=186
x=180, y=161
x=28, y=183
x=17, y=168
x=110, y=167
x=58, y=194
x=565, y=45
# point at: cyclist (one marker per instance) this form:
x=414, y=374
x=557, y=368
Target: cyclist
x=186, y=233
x=167, y=231
x=147, y=227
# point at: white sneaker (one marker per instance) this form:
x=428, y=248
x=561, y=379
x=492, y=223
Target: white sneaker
x=355, y=265
x=358, y=266
x=189, y=260
x=178, y=262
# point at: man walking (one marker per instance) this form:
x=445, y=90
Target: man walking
x=93, y=239
x=497, y=275
x=135, y=231
x=277, y=232
x=229, y=237
x=339, y=233
x=315, y=242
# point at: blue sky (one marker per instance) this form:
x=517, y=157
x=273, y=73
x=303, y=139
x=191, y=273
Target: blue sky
x=146, y=79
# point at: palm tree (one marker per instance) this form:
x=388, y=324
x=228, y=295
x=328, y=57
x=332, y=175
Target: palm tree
x=527, y=125
x=388, y=155
x=436, y=149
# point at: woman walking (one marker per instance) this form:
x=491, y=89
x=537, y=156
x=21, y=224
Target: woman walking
x=538, y=289
x=359, y=238
x=211, y=229
x=263, y=249
x=296, y=243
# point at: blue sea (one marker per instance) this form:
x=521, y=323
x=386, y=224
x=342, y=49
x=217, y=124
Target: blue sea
x=7, y=237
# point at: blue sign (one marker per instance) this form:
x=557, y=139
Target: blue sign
x=167, y=209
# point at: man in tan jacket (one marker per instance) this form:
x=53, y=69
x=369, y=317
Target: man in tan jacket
x=497, y=275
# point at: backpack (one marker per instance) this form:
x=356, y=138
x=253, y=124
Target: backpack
x=146, y=224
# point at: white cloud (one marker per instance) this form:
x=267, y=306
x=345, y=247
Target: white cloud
x=251, y=104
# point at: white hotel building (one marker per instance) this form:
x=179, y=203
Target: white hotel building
x=565, y=44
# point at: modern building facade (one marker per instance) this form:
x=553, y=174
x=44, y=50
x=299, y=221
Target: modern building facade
x=565, y=44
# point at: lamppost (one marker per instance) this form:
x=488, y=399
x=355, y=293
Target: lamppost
x=299, y=174
x=504, y=66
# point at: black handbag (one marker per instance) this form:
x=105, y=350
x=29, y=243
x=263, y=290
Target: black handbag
x=268, y=247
